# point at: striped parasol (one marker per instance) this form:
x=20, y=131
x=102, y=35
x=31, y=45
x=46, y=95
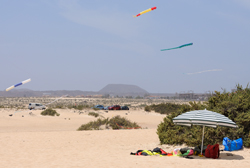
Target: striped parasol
x=204, y=118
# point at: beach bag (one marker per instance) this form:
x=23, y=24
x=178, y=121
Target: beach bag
x=231, y=145
x=197, y=150
x=212, y=151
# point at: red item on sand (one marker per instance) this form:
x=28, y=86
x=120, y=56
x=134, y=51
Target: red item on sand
x=212, y=151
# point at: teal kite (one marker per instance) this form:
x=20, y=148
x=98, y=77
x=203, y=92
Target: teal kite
x=184, y=45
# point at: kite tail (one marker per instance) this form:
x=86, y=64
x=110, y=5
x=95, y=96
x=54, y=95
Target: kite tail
x=137, y=15
x=169, y=49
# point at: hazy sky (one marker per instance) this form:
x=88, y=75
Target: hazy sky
x=87, y=44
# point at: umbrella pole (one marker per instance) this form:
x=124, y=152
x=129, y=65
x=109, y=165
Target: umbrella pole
x=202, y=139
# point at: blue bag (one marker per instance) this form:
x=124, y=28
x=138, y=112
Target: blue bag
x=231, y=145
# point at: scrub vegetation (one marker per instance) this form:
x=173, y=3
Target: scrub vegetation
x=115, y=123
x=50, y=112
x=234, y=105
x=93, y=114
x=164, y=108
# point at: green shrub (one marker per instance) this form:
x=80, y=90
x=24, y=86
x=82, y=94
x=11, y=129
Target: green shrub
x=147, y=108
x=50, y=112
x=59, y=106
x=143, y=105
x=116, y=122
x=78, y=107
x=235, y=106
x=93, y=114
x=93, y=125
x=164, y=108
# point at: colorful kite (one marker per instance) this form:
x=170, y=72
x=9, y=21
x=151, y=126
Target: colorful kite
x=13, y=86
x=178, y=47
x=148, y=10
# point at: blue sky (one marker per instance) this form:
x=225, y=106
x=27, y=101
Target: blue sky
x=85, y=45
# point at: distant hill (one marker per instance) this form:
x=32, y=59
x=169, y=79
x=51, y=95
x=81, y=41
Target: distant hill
x=111, y=89
x=32, y=93
x=122, y=89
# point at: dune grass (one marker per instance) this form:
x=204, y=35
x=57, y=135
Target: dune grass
x=93, y=114
x=115, y=123
x=50, y=112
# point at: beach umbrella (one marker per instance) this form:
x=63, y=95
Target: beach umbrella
x=203, y=118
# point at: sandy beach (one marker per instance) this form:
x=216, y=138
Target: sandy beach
x=32, y=140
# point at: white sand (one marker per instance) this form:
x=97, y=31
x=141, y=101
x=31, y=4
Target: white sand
x=44, y=141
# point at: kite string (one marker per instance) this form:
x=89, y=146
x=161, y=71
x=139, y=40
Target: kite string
x=55, y=100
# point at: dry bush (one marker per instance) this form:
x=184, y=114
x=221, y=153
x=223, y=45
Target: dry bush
x=116, y=122
x=93, y=114
x=50, y=112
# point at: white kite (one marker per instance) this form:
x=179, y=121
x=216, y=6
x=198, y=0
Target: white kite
x=21, y=83
x=203, y=71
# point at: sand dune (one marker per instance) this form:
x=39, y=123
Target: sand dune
x=43, y=141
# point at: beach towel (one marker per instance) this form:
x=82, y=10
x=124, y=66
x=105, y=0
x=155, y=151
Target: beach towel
x=186, y=151
x=156, y=151
x=182, y=152
x=177, y=152
x=160, y=151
